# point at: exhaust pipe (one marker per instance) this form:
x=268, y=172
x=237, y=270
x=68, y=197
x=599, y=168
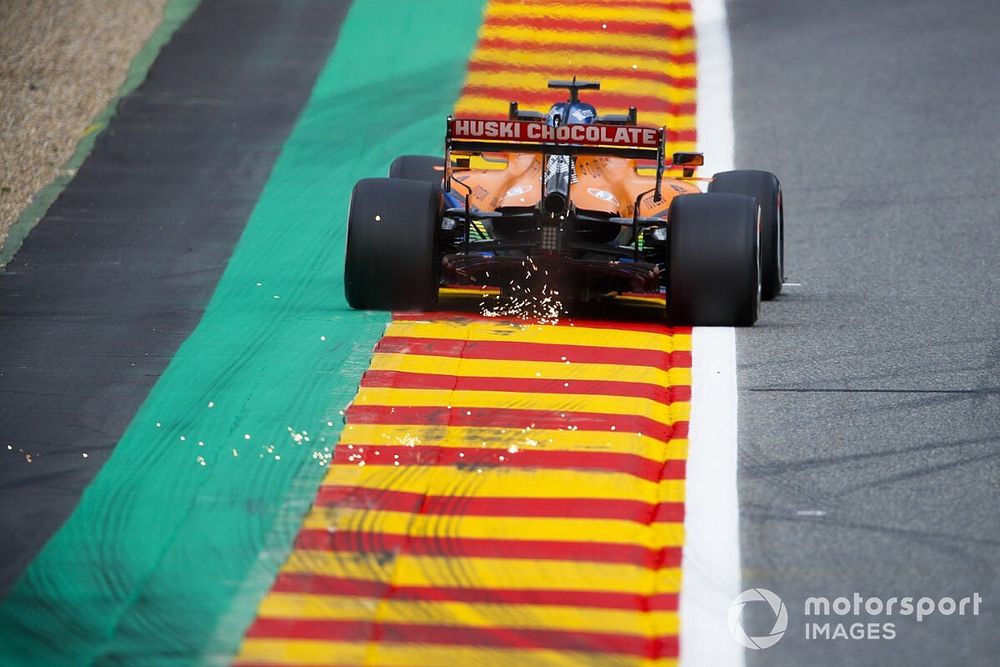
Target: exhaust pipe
x=554, y=202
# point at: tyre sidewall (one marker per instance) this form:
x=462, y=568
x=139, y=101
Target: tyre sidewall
x=766, y=189
x=713, y=260
x=391, y=260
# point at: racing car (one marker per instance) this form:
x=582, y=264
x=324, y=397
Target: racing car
x=577, y=199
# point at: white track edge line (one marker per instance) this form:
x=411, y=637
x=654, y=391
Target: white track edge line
x=711, y=575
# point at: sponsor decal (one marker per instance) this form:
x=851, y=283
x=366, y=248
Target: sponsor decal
x=518, y=190
x=603, y=195
x=530, y=131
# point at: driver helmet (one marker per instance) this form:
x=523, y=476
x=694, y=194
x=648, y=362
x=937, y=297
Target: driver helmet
x=571, y=113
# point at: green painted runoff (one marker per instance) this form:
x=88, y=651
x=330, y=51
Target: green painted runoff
x=182, y=531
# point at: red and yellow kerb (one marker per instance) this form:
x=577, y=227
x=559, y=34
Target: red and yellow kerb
x=507, y=492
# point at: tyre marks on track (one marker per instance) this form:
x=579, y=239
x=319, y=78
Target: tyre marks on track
x=506, y=492
x=535, y=519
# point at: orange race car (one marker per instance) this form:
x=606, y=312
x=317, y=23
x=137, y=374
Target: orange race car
x=569, y=201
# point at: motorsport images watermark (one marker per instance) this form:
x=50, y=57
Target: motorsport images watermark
x=821, y=615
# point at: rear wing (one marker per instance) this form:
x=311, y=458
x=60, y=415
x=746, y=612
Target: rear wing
x=472, y=136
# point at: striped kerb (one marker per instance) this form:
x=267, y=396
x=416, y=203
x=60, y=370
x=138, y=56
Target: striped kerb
x=506, y=492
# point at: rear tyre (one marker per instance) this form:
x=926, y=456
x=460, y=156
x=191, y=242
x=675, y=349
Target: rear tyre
x=713, y=260
x=392, y=245
x=765, y=188
x=418, y=168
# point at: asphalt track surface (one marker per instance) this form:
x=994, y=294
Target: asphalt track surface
x=870, y=391
x=119, y=271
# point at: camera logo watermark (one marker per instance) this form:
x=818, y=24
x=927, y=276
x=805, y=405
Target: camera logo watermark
x=756, y=596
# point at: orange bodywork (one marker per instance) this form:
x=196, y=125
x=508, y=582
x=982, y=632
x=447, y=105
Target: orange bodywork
x=604, y=184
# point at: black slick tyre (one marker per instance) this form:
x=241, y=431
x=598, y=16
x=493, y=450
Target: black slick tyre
x=766, y=189
x=392, y=231
x=713, y=260
x=418, y=168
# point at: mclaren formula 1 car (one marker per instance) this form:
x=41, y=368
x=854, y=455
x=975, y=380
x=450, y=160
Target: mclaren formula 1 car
x=576, y=199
